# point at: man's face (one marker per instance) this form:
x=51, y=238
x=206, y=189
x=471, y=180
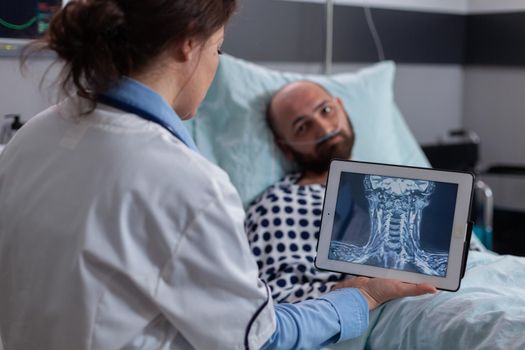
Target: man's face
x=312, y=127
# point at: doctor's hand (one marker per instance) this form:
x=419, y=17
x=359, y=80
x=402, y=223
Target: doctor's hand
x=380, y=290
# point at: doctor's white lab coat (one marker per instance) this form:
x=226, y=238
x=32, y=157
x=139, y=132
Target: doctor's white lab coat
x=114, y=234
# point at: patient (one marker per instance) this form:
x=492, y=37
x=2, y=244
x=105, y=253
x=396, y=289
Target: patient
x=311, y=127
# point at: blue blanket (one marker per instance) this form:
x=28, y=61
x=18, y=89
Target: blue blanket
x=488, y=312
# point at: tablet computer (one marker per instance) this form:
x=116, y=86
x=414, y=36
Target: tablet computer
x=406, y=223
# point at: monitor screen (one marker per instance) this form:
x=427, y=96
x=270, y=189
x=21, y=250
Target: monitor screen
x=26, y=19
x=395, y=223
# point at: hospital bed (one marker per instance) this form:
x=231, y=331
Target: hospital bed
x=488, y=312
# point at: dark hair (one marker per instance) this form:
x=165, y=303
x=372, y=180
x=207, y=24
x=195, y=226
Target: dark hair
x=102, y=40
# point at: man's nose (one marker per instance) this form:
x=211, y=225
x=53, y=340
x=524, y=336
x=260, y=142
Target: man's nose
x=323, y=125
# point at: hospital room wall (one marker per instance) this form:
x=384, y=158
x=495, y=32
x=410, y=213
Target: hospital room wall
x=494, y=98
x=494, y=107
x=21, y=94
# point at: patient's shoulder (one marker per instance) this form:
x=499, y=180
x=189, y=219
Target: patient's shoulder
x=272, y=192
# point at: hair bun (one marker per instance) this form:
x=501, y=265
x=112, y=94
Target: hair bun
x=82, y=27
x=85, y=34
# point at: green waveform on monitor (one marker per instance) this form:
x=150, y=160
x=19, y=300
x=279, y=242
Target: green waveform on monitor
x=18, y=26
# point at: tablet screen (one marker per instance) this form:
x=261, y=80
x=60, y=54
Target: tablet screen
x=393, y=222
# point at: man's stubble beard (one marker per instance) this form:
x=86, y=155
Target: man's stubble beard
x=320, y=162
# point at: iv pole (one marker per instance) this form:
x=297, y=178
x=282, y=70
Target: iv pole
x=329, y=37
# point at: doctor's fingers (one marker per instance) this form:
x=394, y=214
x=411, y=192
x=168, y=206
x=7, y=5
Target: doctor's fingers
x=380, y=290
x=352, y=282
x=383, y=290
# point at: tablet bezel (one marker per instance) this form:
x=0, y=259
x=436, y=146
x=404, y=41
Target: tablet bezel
x=459, y=237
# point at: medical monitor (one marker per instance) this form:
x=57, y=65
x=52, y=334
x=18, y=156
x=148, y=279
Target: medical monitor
x=24, y=20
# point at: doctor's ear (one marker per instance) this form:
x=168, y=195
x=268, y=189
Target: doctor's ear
x=185, y=49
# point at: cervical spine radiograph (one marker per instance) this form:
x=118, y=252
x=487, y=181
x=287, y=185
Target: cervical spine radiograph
x=396, y=208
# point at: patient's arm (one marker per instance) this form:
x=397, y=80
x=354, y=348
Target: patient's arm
x=282, y=228
x=380, y=290
x=295, y=277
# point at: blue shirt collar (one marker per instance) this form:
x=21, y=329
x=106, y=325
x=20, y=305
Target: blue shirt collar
x=131, y=96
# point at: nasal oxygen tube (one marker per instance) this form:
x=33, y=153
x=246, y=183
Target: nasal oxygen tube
x=322, y=139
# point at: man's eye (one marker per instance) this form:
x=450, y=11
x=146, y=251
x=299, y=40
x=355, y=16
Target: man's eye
x=300, y=129
x=327, y=109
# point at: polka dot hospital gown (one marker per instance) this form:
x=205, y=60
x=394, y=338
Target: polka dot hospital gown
x=283, y=227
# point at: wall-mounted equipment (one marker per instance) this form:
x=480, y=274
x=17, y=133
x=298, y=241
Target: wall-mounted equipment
x=23, y=20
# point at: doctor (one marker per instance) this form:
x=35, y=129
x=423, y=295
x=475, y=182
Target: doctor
x=114, y=231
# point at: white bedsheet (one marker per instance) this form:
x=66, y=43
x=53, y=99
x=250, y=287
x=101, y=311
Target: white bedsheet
x=488, y=312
